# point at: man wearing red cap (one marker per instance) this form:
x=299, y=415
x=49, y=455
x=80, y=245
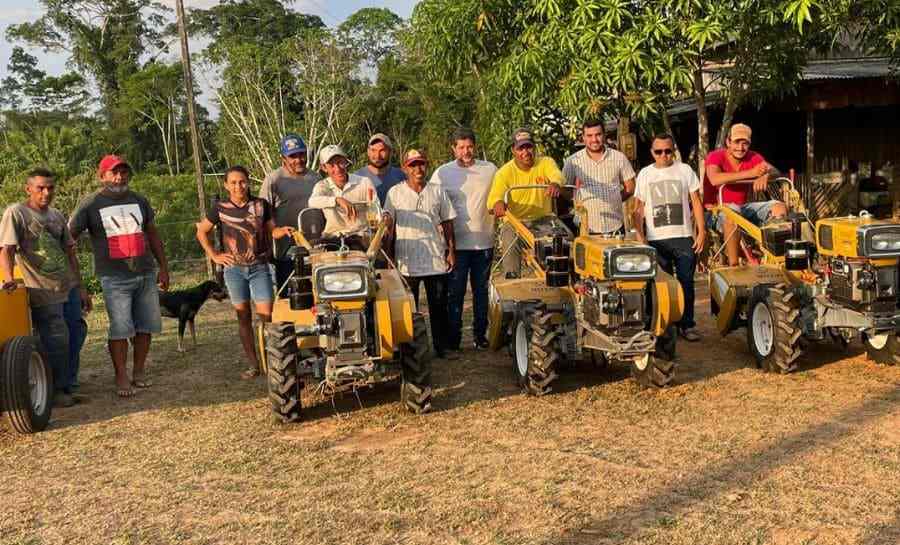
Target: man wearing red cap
x=125, y=242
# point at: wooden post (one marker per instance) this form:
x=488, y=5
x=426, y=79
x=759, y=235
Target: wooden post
x=192, y=117
x=810, y=159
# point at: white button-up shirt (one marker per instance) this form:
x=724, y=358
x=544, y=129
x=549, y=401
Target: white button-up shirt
x=601, y=186
x=420, y=245
x=356, y=190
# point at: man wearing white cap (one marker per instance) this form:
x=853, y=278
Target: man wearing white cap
x=379, y=170
x=337, y=192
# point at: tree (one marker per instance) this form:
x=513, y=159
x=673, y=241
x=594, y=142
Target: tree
x=28, y=88
x=372, y=31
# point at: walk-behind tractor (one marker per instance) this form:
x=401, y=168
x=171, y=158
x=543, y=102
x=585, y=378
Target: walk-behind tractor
x=799, y=283
x=26, y=383
x=344, y=321
x=588, y=297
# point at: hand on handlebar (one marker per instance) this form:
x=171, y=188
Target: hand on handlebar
x=345, y=205
x=760, y=169
x=552, y=190
x=761, y=183
x=499, y=209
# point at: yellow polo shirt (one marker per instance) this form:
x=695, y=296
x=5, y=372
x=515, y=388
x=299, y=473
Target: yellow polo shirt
x=527, y=204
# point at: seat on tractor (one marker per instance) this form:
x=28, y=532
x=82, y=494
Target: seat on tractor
x=312, y=225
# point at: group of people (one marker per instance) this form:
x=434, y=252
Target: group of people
x=442, y=231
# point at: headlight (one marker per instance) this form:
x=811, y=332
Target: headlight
x=634, y=263
x=886, y=242
x=879, y=240
x=342, y=281
x=629, y=262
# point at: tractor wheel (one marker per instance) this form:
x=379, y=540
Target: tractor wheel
x=883, y=349
x=283, y=377
x=652, y=372
x=666, y=343
x=26, y=385
x=536, y=351
x=415, y=387
x=772, y=333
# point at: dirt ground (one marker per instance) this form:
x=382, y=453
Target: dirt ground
x=729, y=455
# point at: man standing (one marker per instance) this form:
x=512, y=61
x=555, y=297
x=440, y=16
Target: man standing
x=424, y=243
x=668, y=197
x=738, y=169
x=379, y=170
x=125, y=242
x=527, y=204
x=33, y=235
x=467, y=181
x=336, y=194
x=287, y=190
x=607, y=180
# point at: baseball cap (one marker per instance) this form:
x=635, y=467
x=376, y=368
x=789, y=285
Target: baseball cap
x=291, y=144
x=520, y=137
x=330, y=152
x=414, y=156
x=110, y=162
x=739, y=131
x=380, y=137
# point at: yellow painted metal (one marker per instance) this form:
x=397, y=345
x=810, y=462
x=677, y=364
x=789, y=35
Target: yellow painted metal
x=524, y=232
x=594, y=245
x=358, y=304
x=393, y=311
x=728, y=286
x=16, y=313
x=282, y=312
x=844, y=235
x=668, y=305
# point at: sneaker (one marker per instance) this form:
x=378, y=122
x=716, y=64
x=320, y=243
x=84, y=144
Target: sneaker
x=62, y=400
x=689, y=335
x=481, y=344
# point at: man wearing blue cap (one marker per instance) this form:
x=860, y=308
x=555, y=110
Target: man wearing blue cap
x=287, y=189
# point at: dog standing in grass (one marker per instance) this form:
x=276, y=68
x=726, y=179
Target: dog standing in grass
x=247, y=232
x=185, y=304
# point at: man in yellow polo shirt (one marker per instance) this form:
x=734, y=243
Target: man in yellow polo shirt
x=527, y=204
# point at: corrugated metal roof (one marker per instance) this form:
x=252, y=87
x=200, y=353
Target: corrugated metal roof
x=847, y=69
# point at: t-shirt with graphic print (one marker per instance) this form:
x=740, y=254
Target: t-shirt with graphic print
x=244, y=232
x=117, y=225
x=666, y=194
x=41, y=239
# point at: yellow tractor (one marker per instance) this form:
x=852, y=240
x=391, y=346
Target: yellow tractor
x=572, y=298
x=344, y=320
x=800, y=282
x=26, y=383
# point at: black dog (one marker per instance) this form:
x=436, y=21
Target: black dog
x=185, y=304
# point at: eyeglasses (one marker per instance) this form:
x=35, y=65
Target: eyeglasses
x=667, y=151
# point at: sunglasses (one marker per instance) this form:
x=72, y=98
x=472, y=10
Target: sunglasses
x=667, y=151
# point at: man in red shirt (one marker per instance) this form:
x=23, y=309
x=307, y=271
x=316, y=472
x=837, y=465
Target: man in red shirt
x=739, y=170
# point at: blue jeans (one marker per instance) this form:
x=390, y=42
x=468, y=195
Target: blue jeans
x=54, y=335
x=246, y=282
x=472, y=266
x=132, y=304
x=678, y=254
x=77, y=333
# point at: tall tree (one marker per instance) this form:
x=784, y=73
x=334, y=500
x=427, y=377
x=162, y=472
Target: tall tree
x=28, y=88
x=373, y=31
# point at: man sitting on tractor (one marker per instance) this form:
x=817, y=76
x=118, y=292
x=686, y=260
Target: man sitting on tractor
x=739, y=170
x=524, y=169
x=336, y=195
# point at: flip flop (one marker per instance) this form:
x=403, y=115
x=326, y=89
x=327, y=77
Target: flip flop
x=141, y=383
x=124, y=392
x=250, y=373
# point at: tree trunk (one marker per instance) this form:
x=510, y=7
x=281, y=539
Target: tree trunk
x=731, y=105
x=702, y=120
x=667, y=125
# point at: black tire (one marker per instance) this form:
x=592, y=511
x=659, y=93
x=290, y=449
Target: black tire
x=535, y=333
x=27, y=407
x=666, y=344
x=883, y=351
x=415, y=384
x=653, y=373
x=282, y=375
x=772, y=333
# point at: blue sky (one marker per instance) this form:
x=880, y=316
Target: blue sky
x=332, y=13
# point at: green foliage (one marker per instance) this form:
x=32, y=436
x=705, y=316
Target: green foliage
x=373, y=32
x=29, y=89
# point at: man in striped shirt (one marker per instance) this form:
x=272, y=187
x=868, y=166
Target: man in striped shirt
x=606, y=178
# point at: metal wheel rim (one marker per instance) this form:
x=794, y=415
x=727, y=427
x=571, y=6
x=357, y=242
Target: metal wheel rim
x=521, y=349
x=878, y=342
x=763, y=329
x=37, y=383
x=642, y=362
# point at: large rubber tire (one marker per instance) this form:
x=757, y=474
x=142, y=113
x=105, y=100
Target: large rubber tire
x=26, y=385
x=772, y=333
x=536, y=350
x=883, y=349
x=667, y=343
x=652, y=372
x=282, y=375
x=415, y=384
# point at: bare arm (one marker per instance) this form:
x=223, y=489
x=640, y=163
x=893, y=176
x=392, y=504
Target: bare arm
x=7, y=259
x=158, y=251
x=204, y=228
x=638, y=217
x=699, y=222
x=627, y=189
x=717, y=177
x=450, y=239
x=86, y=303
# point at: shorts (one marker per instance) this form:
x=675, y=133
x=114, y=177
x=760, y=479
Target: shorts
x=132, y=305
x=755, y=212
x=246, y=282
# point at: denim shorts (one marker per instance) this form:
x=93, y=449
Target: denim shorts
x=132, y=305
x=246, y=282
x=755, y=212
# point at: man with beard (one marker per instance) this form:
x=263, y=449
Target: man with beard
x=127, y=249
x=607, y=180
x=379, y=170
x=33, y=235
x=287, y=190
x=531, y=204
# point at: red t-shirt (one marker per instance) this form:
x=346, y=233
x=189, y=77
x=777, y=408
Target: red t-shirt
x=733, y=193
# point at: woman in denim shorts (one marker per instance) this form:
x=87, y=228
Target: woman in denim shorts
x=247, y=232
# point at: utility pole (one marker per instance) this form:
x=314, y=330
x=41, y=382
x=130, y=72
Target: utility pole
x=192, y=116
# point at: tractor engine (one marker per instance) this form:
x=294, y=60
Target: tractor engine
x=608, y=308
x=861, y=286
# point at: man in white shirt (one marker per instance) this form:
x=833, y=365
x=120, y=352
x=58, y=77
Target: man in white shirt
x=607, y=180
x=668, y=197
x=467, y=181
x=424, y=244
x=336, y=194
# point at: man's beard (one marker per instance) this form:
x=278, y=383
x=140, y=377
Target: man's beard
x=116, y=189
x=381, y=163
